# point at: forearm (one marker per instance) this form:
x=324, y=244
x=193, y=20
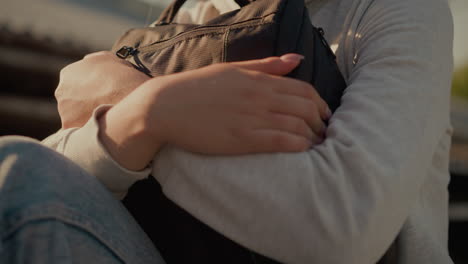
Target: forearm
x=172, y=110
x=124, y=134
x=332, y=204
x=82, y=146
x=345, y=200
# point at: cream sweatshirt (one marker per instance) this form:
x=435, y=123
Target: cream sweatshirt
x=377, y=185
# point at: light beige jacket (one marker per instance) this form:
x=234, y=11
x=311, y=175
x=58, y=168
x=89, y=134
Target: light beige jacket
x=379, y=181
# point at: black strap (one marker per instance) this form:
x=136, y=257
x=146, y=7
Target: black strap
x=242, y=3
x=168, y=15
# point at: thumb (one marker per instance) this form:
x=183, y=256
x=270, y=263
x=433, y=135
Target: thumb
x=272, y=65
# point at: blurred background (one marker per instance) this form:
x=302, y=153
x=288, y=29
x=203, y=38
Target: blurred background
x=39, y=37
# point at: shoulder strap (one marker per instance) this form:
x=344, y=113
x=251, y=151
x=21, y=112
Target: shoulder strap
x=168, y=15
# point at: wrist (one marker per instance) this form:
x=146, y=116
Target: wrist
x=125, y=134
x=155, y=121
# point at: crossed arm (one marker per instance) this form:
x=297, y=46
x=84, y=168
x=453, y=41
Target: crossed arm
x=346, y=199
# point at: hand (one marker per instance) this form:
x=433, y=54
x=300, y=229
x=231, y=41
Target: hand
x=238, y=108
x=231, y=108
x=99, y=78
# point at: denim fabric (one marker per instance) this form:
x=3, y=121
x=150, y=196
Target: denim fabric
x=51, y=211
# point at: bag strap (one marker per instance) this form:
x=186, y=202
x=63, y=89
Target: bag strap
x=168, y=15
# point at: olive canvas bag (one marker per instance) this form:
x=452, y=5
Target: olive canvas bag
x=259, y=29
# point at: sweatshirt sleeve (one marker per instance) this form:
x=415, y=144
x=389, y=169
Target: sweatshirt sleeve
x=83, y=147
x=343, y=201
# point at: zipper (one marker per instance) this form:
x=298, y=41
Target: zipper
x=325, y=42
x=126, y=51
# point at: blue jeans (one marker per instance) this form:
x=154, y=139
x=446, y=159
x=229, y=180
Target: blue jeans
x=51, y=211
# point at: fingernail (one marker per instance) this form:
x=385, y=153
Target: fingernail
x=291, y=57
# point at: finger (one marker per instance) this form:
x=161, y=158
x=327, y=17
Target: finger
x=267, y=141
x=277, y=141
x=272, y=65
x=286, y=123
x=299, y=107
x=96, y=54
x=299, y=88
x=106, y=56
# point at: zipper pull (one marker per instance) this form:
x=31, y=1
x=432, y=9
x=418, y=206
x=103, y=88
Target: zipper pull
x=321, y=31
x=125, y=52
x=324, y=41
